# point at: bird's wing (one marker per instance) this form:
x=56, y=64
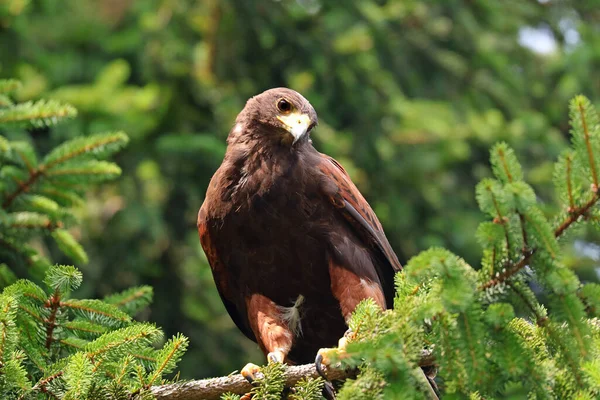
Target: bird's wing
x=346, y=197
x=222, y=278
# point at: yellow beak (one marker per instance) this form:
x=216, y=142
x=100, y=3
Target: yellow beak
x=295, y=123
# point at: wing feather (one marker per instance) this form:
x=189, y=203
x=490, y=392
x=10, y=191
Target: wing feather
x=222, y=278
x=346, y=198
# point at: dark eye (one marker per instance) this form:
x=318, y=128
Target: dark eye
x=284, y=106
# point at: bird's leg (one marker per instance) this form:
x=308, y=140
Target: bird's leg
x=271, y=331
x=349, y=289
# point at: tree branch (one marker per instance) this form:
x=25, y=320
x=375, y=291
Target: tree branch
x=213, y=388
x=23, y=187
x=53, y=303
x=514, y=268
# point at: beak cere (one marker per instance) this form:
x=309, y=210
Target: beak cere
x=295, y=123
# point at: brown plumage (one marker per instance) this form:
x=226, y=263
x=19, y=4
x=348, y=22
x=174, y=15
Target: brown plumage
x=292, y=243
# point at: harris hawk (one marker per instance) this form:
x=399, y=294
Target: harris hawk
x=292, y=244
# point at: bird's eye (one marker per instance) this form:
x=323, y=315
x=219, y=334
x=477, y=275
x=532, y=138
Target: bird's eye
x=284, y=106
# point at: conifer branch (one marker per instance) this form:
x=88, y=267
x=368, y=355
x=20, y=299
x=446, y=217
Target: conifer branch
x=64, y=154
x=501, y=220
x=53, y=303
x=33, y=314
x=41, y=385
x=508, y=272
x=9, y=85
x=588, y=144
x=23, y=187
x=569, y=162
x=40, y=113
x=523, y=232
x=509, y=177
x=574, y=215
x=512, y=269
x=540, y=319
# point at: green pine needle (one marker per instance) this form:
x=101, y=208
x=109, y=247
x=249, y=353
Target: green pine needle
x=132, y=300
x=271, y=385
x=97, y=311
x=25, y=220
x=505, y=165
x=96, y=146
x=39, y=114
x=308, y=389
x=78, y=377
x=69, y=246
x=168, y=357
x=14, y=372
x=120, y=342
x=5, y=101
x=585, y=134
x=63, y=278
x=7, y=276
x=230, y=396
x=8, y=86
x=86, y=172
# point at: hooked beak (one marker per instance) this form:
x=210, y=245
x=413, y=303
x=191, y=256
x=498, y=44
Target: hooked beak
x=296, y=123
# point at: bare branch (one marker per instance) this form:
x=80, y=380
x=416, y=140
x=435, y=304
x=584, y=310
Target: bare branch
x=209, y=389
x=213, y=388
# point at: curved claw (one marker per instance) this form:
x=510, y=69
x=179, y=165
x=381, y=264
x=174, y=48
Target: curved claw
x=328, y=391
x=319, y=366
x=324, y=356
x=275, y=357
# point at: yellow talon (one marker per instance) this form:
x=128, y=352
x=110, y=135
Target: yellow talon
x=249, y=372
x=275, y=357
x=325, y=355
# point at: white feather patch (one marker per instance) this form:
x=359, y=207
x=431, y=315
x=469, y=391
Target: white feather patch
x=291, y=316
x=238, y=128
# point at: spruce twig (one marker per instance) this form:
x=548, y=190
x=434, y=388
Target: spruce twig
x=23, y=187
x=96, y=143
x=569, y=162
x=588, y=144
x=53, y=303
x=512, y=269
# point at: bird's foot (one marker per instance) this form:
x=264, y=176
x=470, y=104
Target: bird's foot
x=326, y=355
x=276, y=357
x=250, y=371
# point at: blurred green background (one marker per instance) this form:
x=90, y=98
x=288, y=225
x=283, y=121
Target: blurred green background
x=410, y=96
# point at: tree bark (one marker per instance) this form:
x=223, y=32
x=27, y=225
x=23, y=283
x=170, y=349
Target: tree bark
x=212, y=389
x=209, y=389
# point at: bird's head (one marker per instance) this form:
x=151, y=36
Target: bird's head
x=281, y=114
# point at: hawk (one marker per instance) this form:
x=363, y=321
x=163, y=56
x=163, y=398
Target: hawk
x=292, y=244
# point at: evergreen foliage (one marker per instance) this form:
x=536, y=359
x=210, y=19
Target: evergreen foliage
x=54, y=346
x=482, y=347
x=38, y=195
x=51, y=344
